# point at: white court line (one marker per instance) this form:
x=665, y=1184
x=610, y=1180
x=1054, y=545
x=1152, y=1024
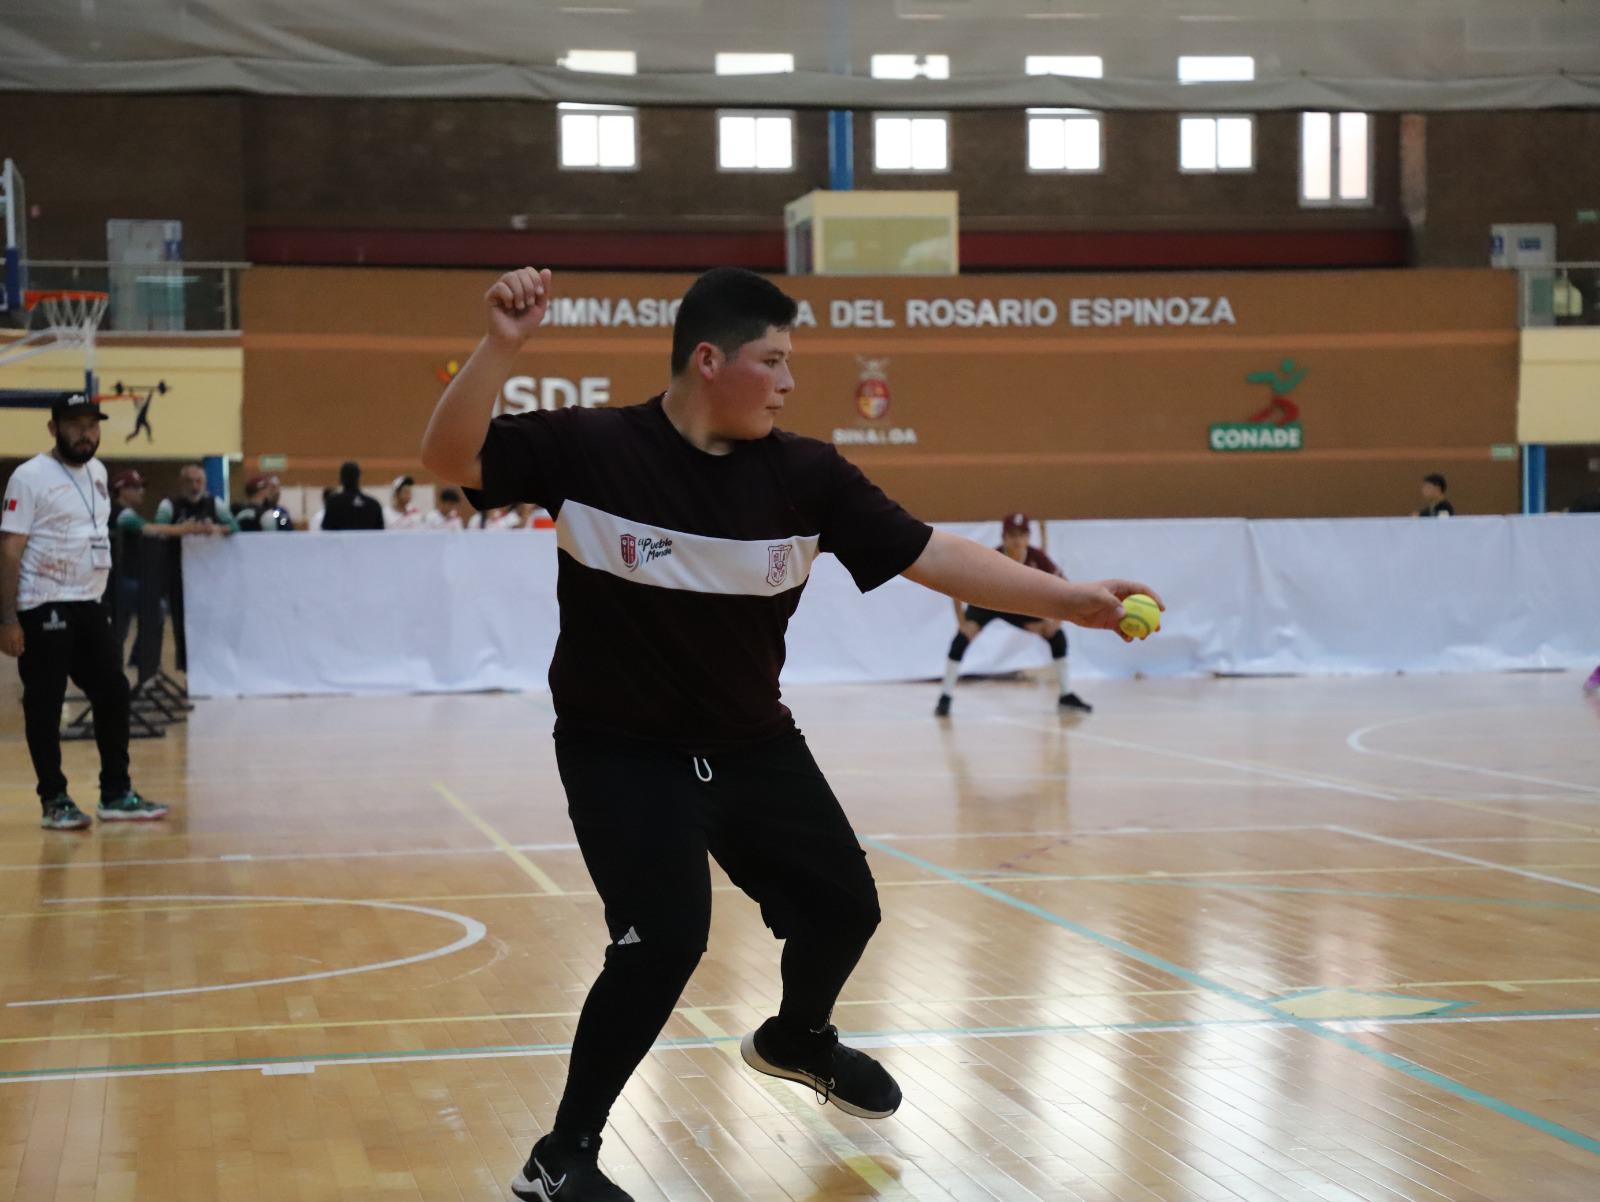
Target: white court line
x=474, y=929
x=1354, y=741
x=1281, y=774
x=247, y=857
x=250, y=857
x=1109, y=830
x=1075, y=778
x=907, y=1039
x=1408, y=845
x=1508, y=839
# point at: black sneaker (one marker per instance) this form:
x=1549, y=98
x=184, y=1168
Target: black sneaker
x=130, y=807
x=942, y=710
x=61, y=813
x=566, y=1170
x=853, y=1081
x=1071, y=701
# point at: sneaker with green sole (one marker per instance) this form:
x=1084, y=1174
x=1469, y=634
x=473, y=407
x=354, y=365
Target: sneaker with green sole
x=130, y=807
x=61, y=813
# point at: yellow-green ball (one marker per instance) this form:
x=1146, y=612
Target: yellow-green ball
x=1142, y=616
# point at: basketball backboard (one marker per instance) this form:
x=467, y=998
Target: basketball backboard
x=14, y=219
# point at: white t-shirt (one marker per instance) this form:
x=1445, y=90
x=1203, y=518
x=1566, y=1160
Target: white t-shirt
x=440, y=521
x=64, y=511
x=409, y=518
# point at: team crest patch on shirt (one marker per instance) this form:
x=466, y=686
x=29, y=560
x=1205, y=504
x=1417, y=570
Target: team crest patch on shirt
x=636, y=550
x=778, y=564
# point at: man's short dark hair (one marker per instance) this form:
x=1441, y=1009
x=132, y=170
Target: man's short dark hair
x=349, y=473
x=1435, y=479
x=728, y=307
x=449, y=494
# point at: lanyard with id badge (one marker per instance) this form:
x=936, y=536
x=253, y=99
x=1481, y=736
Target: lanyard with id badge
x=100, y=539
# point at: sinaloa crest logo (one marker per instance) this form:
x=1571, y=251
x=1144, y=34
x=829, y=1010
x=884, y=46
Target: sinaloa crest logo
x=1273, y=427
x=872, y=390
x=872, y=402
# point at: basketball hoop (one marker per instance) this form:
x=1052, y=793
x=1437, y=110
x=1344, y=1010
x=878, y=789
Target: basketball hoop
x=72, y=315
x=71, y=318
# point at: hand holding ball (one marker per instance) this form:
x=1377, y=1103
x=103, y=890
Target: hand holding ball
x=1141, y=616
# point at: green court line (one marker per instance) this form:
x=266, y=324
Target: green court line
x=1311, y=1027
x=488, y=1051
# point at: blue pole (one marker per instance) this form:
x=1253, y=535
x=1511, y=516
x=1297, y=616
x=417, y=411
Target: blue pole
x=1533, y=496
x=216, y=476
x=841, y=150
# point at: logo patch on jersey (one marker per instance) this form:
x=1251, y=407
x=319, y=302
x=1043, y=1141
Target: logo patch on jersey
x=11, y=505
x=778, y=564
x=636, y=550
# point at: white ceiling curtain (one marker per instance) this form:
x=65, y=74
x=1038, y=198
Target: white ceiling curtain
x=1398, y=55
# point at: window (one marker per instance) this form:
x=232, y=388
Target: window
x=1064, y=139
x=601, y=62
x=1216, y=143
x=734, y=63
x=910, y=66
x=1335, y=159
x=601, y=137
x=755, y=142
x=1216, y=68
x=907, y=142
x=1085, y=66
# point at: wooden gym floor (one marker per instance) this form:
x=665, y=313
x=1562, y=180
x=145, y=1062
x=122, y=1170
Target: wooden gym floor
x=1224, y=939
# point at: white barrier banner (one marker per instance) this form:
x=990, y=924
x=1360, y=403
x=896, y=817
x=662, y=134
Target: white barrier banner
x=447, y=612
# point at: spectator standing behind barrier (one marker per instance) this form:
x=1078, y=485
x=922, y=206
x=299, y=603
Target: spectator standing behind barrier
x=261, y=510
x=1434, y=502
x=191, y=504
x=350, y=508
x=128, y=530
x=55, y=558
x=400, y=513
x=317, y=518
x=446, y=513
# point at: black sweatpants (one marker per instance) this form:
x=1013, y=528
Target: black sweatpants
x=646, y=818
x=73, y=639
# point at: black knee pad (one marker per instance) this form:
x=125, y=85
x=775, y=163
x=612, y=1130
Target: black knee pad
x=958, y=646
x=1058, y=645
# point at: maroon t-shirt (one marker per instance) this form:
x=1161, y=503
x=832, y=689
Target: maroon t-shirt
x=678, y=570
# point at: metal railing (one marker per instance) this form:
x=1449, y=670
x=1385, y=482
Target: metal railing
x=151, y=298
x=1562, y=294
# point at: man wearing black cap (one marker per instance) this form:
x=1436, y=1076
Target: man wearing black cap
x=971, y=619
x=55, y=555
x=350, y=508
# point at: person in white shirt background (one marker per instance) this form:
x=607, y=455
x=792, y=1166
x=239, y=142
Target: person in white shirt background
x=55, y=557
x=400, y=513
x=446, y=513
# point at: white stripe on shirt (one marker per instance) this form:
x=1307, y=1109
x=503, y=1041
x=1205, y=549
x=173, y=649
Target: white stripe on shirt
x=672, y=559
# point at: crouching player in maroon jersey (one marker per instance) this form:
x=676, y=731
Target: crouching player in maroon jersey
x=686, y=529
x=971, y=619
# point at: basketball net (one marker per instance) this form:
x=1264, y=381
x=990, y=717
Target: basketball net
x=70, y=321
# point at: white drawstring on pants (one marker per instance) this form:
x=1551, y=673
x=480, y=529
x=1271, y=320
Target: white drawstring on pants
x=705, y=778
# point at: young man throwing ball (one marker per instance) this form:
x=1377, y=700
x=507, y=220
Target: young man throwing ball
x=686, y=528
